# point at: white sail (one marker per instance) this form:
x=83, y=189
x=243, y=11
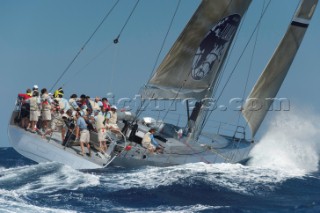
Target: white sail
x=194, y=62
x=268, y=84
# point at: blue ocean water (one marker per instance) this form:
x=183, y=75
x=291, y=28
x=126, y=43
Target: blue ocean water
x=282, y=176
x=51, y=187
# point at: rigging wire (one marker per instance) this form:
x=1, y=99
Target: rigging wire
x=295, y=10
x=116, y=40
x=159, y=53
x=232, y=154
x=215, y=87
x=165, y=39
x=179, y=90
x=113, y=68
x=251, y=63
x=241, y=55
x=87, y=64
x=227, y=58
x=85, y=44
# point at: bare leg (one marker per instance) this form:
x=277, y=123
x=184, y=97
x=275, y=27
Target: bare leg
x=63, y=132
x=32, y=125
x=82, y=148
x=49, y=131
x=104, y=146
x=44, y=124
x=101, y=146
x=88, y=146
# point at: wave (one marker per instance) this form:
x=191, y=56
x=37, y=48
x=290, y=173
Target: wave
x=12, y=202
x=234, y=177
x=52, y=187
x=27, y=188
x=45, y=177
x=291, y=143
x=52, y=177
x=286, y=158
x=168, y=209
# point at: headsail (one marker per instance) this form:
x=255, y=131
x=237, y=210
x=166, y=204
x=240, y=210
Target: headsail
x=268, y=84
x=194, y=62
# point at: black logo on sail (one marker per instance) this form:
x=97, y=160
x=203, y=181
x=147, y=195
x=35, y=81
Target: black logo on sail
x=213, y=46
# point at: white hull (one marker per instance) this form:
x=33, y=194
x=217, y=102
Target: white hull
x=221, y=149
x=183, y=154
x=32, y=146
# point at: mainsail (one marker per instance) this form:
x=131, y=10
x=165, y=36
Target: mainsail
x=193, y=64
x=268, y=84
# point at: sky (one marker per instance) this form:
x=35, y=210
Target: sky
x=39, y=38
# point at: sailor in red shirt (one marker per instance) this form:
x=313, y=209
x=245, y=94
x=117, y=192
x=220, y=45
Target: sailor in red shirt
x=25, y=108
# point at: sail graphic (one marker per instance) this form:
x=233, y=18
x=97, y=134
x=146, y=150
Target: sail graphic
x=268, y=84
x=194, y=62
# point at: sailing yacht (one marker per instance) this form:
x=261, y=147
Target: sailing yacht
x=189, y=74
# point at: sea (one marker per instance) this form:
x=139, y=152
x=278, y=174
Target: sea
x=282, y=175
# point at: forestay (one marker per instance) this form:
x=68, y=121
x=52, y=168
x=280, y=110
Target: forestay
x=192, y=66
x=268, y=84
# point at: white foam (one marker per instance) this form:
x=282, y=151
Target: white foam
x=40, y=178
x=235, y=177
x=175, y=209
x=48, y=178
x=67, y=178
x=290, y=145
x=11, y=201
x=289, y=149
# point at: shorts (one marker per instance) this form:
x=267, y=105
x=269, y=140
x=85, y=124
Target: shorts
x=46, y=115
x=85, y=136
x=113, y=126
x=148, y=145
x=102, y=134
x=34, y=115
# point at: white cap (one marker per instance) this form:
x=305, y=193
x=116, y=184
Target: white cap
x=35, y=86
x=113, y=107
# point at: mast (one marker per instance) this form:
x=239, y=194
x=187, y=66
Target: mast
x=192, y=67
x=271, y=79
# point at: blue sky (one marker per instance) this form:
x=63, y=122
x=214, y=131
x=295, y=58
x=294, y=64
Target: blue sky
x=39, y=38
